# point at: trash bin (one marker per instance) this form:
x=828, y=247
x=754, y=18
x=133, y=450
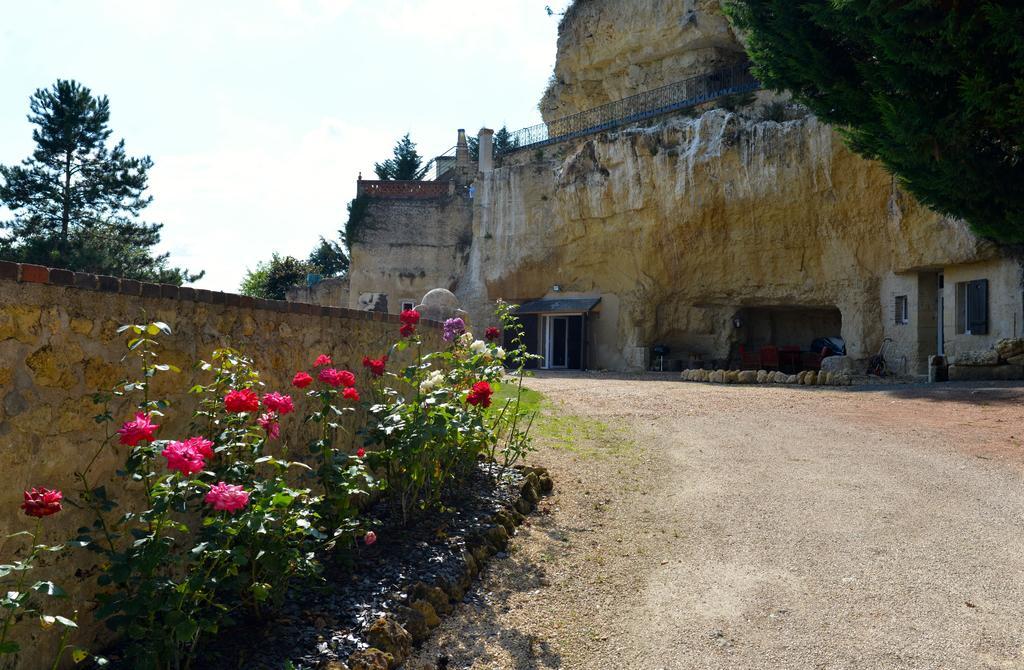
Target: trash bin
x=938, y=370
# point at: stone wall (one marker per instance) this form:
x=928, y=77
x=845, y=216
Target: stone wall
x=58, y=346
x=407, y=247
x=332, y=292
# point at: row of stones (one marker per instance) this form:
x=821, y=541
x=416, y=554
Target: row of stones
x=392, y=637
x=807, y=377
x=38, y=274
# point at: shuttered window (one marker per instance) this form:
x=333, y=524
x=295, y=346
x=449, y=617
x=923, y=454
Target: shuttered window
x=972, y=307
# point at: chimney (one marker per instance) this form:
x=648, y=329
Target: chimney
x=462, y=150
x=486, y=147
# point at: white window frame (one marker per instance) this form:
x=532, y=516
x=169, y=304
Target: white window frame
x=902, y=309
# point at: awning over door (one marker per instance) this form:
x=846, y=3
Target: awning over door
x=559, y=306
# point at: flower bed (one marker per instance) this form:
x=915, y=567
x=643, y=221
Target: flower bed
x=229, y=524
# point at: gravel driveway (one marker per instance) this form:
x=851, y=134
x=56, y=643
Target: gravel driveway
x=701, y=526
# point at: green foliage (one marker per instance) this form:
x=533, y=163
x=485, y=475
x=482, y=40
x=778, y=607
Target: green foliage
x=272, y=279
x=503, y=142
x=356, y=223
x=406, y=164
x=165, y=583
x=424, y=432
x=935, y=91
x=76, y=201
x=329, y=259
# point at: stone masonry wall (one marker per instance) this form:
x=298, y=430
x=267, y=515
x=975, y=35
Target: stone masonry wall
x=58, y=346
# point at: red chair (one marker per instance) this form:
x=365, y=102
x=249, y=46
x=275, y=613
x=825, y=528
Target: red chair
x=770, y=357
x=749, y=360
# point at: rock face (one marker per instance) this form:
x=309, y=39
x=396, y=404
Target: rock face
x=609, y=50
x=682, y=226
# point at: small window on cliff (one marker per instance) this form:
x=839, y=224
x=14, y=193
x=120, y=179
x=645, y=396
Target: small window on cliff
x=408, y=304
x=902, y=310
x=972, y=307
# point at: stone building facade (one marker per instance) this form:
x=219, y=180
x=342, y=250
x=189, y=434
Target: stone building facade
x=695, y=233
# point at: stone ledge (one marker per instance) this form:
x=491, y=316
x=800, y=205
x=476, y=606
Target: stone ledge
x=25, y=273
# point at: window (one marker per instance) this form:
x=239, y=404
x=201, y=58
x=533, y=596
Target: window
x=972, y=307
x=408, y=304
x=902, y=310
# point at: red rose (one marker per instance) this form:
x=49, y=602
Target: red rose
x=242, y=400
x=360, y=452
x=301, y=380
x=410, y=317
x=492, y=333
x=322, y=359
x=407, y=330
x=376, y=365
x=42, y=502
x=348, y=380
x=480, y=394
x=329, y=376
x=351, y=394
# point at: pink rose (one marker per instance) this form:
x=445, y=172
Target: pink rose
x=323, y=359
x=280, y=403
x=370, y=538
x=139, y=430
x=42, y=502
x=268, y=422
x=227, y=497
x=183, y=457
x=202, y=446
x=301, y=380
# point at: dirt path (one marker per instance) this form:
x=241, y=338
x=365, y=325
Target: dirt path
x=698, y=526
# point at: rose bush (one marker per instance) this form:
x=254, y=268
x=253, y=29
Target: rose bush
x=227, y=521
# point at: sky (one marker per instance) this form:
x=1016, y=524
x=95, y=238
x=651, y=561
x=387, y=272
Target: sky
x=259, y=114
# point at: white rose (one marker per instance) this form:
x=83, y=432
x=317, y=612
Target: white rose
x=478, y=347
x=466, y=339
x=499, y=353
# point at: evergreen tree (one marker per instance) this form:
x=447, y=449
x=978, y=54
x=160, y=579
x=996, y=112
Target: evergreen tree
x=272, y=279
x=329, y=259
x=406, y=164
x=932, y=89
x=76, y=201
x=503, y=142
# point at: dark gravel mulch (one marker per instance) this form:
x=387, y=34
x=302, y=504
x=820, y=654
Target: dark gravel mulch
x=324, y=622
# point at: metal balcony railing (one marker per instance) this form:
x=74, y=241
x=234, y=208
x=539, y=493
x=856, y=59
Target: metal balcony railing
x=673, y=97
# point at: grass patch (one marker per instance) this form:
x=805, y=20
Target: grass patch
x=557, y=429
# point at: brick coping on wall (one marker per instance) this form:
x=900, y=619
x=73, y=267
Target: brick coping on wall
x=25, y=273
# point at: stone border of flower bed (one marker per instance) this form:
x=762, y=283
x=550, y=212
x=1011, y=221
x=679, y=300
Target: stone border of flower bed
x=419, y=610
x=805, y=378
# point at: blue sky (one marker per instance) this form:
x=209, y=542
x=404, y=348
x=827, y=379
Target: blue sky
x=259, y=114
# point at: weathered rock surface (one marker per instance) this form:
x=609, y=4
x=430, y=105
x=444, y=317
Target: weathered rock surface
x=388, y=636
x=721, y=211
x=1010, y=348
x=609, y=50
x=837, y=364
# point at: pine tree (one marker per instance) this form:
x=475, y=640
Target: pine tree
x=405, y=165
x=329, y=259
x=504, y=141
x=75, y=201
x=934, y=89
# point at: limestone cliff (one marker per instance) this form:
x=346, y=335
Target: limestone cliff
x=686, y=221
x=611, y=49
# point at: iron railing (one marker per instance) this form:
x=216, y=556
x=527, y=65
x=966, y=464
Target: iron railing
x=673, y=97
